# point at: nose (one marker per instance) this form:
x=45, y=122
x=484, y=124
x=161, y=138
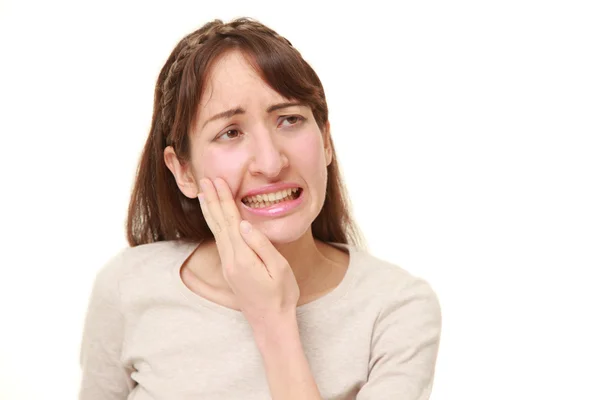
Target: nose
x=267, y=155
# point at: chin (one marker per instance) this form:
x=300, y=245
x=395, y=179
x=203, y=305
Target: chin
x=283, y=232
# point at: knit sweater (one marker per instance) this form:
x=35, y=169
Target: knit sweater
x=148, y=336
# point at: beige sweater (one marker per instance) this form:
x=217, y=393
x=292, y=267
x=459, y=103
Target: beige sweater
x=147, y=336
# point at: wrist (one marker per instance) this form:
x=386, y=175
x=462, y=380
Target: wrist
x=276, y=332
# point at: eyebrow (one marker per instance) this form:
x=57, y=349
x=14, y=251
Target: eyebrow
x=238, y=110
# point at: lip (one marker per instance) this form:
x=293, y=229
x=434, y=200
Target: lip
x=272, y=188
x=276, y=210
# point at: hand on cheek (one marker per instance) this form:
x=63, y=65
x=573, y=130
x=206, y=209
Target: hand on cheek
x=259, y=276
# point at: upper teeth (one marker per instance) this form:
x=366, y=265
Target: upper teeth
x=271, y=196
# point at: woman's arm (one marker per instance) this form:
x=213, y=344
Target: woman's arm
x=266, y=289
x=286, y=365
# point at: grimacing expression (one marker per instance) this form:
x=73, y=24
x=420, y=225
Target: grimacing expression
x=255, y=146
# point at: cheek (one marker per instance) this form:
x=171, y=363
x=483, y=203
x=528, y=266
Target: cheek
x=311, y=149
x=310, y=154
x=222, y=164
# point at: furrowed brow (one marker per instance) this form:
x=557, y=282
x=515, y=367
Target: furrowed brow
x=238, y=110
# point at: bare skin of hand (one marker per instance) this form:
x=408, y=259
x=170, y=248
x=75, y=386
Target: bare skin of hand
x=259, y=276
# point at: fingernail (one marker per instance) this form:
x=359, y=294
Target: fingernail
x=245, y=226
x=201, y=197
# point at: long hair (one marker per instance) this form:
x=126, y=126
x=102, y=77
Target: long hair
x=158, y=210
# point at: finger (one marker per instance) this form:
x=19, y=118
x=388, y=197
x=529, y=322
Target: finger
x=229, y=210
x=262, y=246
x=211, y=209
x=231, y=221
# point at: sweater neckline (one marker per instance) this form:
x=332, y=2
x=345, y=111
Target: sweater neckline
x=188, y=248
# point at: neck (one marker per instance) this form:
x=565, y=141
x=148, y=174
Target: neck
x=304, y=256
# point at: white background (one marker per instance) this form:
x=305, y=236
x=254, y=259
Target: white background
x=468, y=133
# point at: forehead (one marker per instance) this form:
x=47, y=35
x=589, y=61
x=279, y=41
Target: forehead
x=232, y=81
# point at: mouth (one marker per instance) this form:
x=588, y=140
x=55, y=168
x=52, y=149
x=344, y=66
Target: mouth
x=270, y=199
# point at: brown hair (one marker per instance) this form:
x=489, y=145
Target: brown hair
x=158, y=210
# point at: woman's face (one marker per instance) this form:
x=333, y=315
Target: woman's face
x=256, y=147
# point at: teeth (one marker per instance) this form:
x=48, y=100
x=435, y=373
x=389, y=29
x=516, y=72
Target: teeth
x=269, y=197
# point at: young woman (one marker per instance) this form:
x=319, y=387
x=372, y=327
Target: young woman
x=246, y=277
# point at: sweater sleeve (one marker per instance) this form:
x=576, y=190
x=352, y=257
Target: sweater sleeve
x=102, y=374
x=404, y=345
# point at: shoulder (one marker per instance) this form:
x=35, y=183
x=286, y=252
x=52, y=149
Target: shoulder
x=135, y=261
x=396, y=288
x=382, y=274
x=406, y=330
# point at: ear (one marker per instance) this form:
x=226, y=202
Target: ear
x=327, y=144
x=184, y=176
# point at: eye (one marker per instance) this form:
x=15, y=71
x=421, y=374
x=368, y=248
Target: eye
x=231, y=134
x=294, y=119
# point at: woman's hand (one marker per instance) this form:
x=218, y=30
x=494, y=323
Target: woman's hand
x=259, y=276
